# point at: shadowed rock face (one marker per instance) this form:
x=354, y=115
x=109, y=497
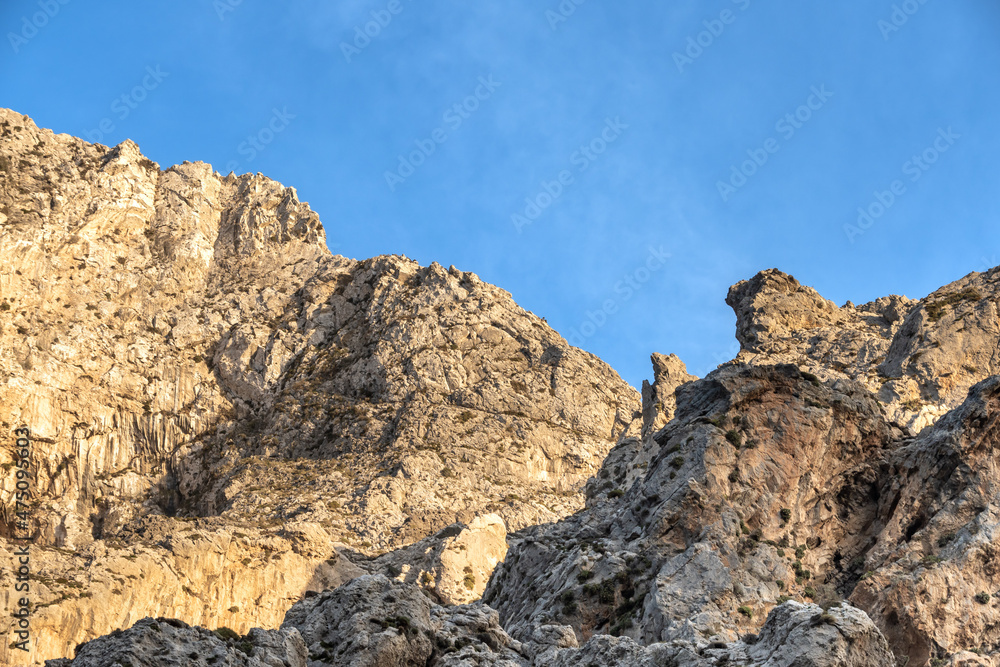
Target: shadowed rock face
x=225, y=414
x=932, y=574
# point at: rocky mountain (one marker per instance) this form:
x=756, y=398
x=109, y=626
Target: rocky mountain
x=249, y=451
x=225, y=415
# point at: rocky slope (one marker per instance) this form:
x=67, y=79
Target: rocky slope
x=224, y=414
x=373, y=621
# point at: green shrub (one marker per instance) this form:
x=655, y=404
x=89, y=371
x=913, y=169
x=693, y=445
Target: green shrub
x=786, y=514
x=616, y=493
x=982, y=597
x=812, y=378
x=935, y=310
x=225, y=633
x=809, y=592
x=746, y=611
x=734, y=438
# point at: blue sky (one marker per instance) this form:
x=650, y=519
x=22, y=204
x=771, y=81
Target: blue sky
x=589, y=140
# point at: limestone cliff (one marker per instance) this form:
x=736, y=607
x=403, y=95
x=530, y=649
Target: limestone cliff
x=224, y=414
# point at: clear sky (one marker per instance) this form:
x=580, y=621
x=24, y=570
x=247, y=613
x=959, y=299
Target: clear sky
x=615, y=166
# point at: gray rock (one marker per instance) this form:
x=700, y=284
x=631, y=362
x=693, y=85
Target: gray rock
x=166, y=642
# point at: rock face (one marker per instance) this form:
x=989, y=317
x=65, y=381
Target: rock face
x=389, y=464
x=454, y=563
x=919, y=357
x=218, y=400
x=794, y=635
x=931, y=578
x=760, y=488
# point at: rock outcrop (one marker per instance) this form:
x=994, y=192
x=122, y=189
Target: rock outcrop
x=931, y=579
x=919, y=357
x=167, y=642
x=658, y=401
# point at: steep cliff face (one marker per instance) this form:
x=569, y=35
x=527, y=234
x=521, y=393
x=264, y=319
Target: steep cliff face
x=931, y=578
x=183, y=345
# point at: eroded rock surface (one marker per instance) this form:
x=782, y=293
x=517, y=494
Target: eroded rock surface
x=919, y=357
x=759, y=488
x=374, y=621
